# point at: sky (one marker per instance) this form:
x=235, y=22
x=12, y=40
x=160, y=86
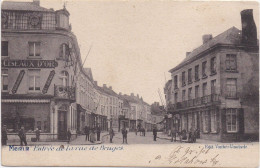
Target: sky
x=134, y=43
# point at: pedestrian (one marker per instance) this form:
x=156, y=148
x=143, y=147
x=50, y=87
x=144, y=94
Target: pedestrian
x=111, y=134
x=22, y=136
x=4, y=136
x=69, y=135
x=92, y=136
x=37, y=132
x=154, y=133
x=98, y=133
x=173, y=134
x=87, y=132
x=135, y=131
x=144, y=131
x=124, y=133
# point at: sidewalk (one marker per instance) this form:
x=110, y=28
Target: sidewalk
x=80, y=140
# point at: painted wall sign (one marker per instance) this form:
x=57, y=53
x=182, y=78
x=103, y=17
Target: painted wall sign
x=48, y=82
x=29, y=63
x=18, y=81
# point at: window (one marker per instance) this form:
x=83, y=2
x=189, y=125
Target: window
x=231, y=62
x=34, y=49
x=213, y=66
x=189, y=76
x=197, y=91
x=196, y=72
x=213, y=121
x=39, y=125
x=176, y=97
x=4, y=50
x=183, y=79
x=231, y=85
x=4, y=80
x=204, y=89
x=34, y=80
x=204, y=66
x=189, y=93
x=213, y=86
x=64, y=78
x=232, y=120
x=175, y=82
x=183, y=95
x=64, y=51
x=205, y=121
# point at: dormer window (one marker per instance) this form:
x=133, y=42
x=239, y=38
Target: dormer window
x=63, y=19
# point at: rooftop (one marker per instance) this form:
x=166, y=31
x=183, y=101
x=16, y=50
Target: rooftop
x=23, y=6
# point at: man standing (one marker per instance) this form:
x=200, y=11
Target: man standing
x=37, y=132
x=4, y=135
x=98, y=133
x=87, y=132
x=69, y=135
x=111, y=134
x=154, y=134
x=22, y=136
x=124, y=133
x=173, y=134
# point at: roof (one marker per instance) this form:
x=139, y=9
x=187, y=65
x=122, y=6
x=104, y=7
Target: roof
x=109, y=92
x=23, y=6
x=89, y=73
x=230, y=36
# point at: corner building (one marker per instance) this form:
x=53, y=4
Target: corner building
x=215, y=88
x=39, y=61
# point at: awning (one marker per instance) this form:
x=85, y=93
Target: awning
x=25, y=100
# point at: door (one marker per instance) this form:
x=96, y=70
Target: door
x=62, y=125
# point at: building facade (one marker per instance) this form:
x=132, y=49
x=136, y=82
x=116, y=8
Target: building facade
x=215, y=88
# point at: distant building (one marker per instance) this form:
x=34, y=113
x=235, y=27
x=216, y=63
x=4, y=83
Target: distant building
x=215, y=88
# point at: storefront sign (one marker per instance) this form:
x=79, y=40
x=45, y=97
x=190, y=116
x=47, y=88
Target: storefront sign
x=18, y=81
x=48, y=82
x=29, y=64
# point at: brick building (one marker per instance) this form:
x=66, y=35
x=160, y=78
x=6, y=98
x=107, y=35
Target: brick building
x=215, y=88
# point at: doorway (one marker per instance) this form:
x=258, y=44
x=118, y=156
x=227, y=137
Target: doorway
x=62, y=125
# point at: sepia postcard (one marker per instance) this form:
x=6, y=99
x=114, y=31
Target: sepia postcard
x=130, y=83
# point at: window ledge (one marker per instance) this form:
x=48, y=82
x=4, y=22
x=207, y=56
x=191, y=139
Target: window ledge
x=215, y=132
x=197, y=80
x=213, y=73
x=183, y=84
x=204, y=77
x=34, y=57
x=232, y=71
x=232, y=132
x=232, y=98
x=190, y=82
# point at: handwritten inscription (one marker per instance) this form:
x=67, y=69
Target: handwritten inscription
x=189, y=156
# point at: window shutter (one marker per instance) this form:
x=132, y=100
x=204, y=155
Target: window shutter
x=223, y=115
x=241, y=120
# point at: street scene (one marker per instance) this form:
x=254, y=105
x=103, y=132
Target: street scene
x=58, y=88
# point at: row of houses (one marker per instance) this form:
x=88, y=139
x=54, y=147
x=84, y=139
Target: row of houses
x=44, y=83
x=215, y=88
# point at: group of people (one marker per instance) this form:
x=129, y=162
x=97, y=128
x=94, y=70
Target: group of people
x=124, y=134
x=90, y=134
x=191, y=137
x=141, y=130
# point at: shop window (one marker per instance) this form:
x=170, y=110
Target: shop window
x=34, y=80
x=204, y=66
x=34, y=49
x=196, y=72
x=39, y=125
x=213, y=121
x=231, y=85
x=231, y=62
x=4, y=48
x=205, y=120
x=4, y=79
x=232, y=120
x=213, y=66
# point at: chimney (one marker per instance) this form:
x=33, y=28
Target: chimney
x=36, y=2
x=110, y=87
x=187, y=53
x=206, y=38
x=249, y=34
x=132, y=94
x=104, y=86
x=95, y=82
x=120, y=93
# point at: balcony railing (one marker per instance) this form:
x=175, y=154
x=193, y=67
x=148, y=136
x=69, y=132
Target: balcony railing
x=205, y=100
x=64, y=92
